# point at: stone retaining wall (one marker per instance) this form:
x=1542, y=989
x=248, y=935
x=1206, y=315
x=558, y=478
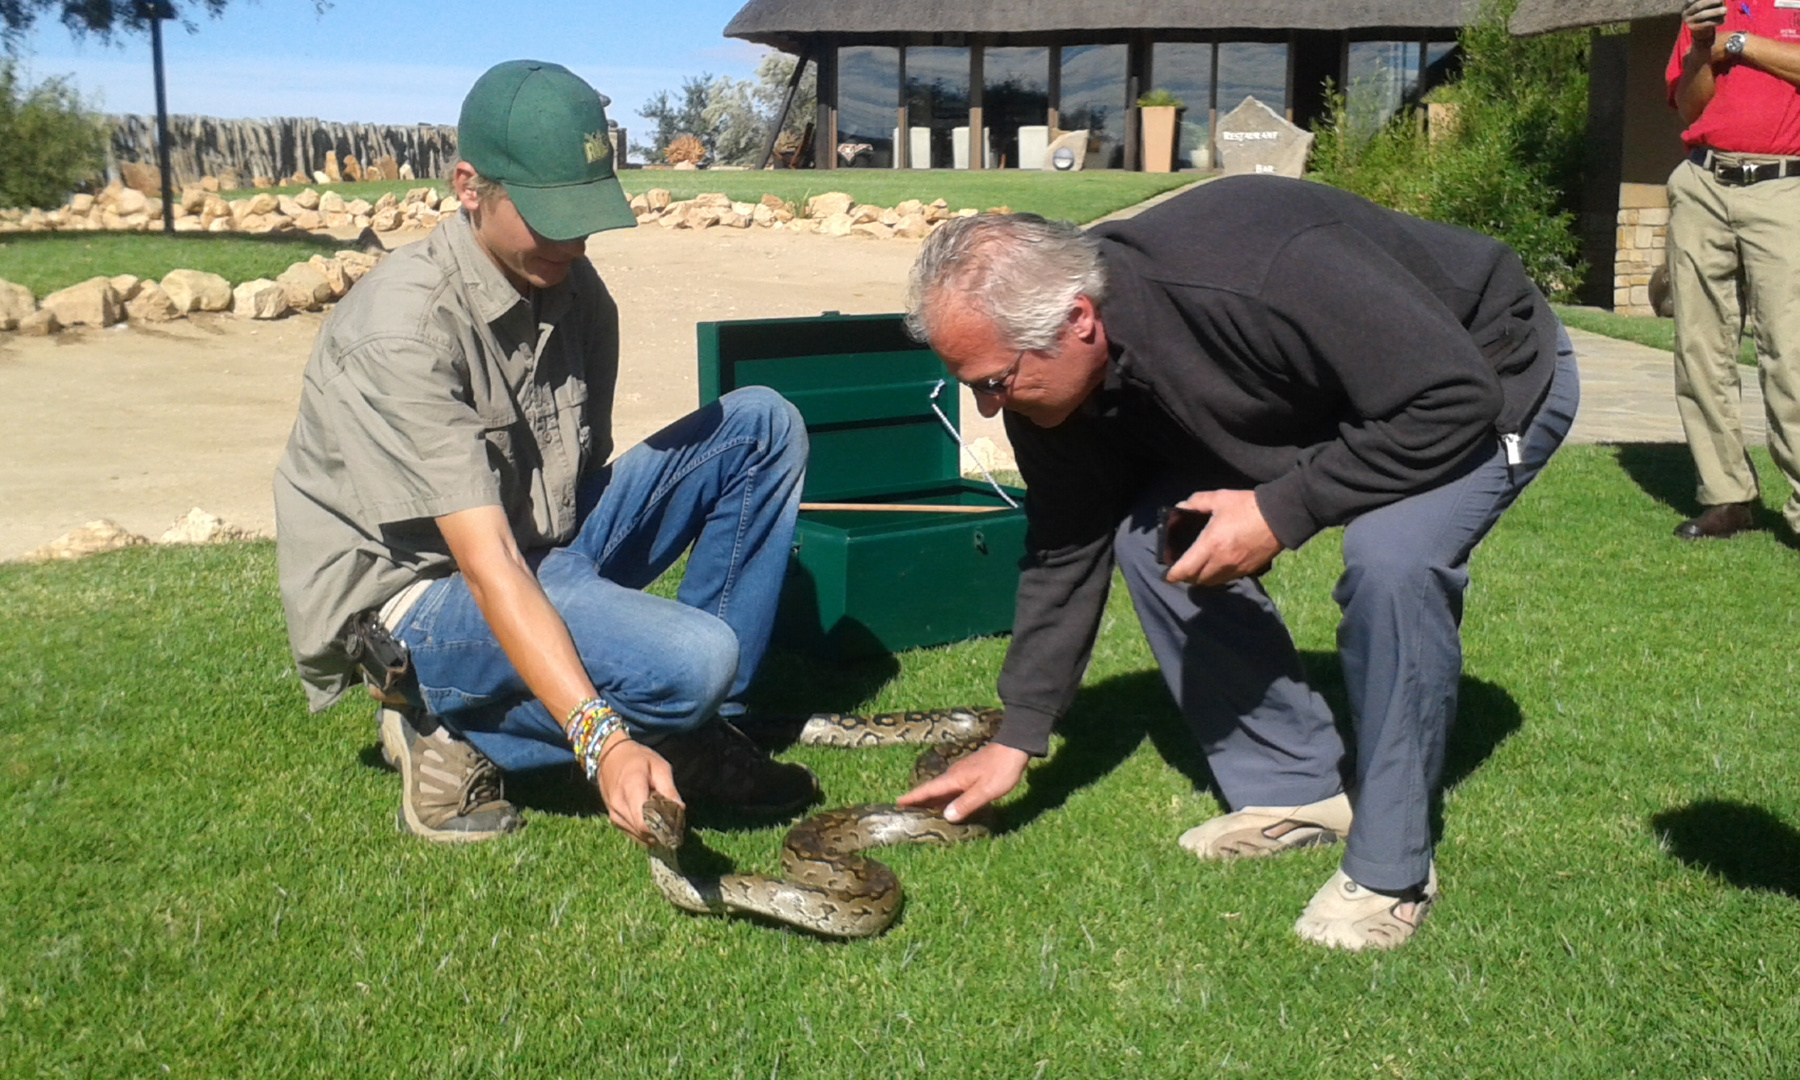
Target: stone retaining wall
x=279, y=147
x=1643, y=239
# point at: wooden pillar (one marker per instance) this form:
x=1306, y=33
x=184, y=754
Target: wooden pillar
x=1212, y=108
x=1137, y=64
x=825, y=126
x=1054, y=118
x=977, y=81
x=902, y=141
x=1292, y=51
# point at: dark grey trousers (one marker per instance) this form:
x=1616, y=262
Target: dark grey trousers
x=1232, y=666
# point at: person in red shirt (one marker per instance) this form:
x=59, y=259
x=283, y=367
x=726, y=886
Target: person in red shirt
x=1734, y=246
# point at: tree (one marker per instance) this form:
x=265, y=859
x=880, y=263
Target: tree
x=730, y=117
x=102, y=18
x=50, y=142
x=772, y=76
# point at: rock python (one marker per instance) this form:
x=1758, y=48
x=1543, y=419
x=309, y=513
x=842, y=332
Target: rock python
x=827, y=886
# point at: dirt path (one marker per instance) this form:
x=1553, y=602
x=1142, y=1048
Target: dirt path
x=139, y=424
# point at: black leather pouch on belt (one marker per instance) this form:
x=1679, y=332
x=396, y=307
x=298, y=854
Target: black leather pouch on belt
x=384, y=660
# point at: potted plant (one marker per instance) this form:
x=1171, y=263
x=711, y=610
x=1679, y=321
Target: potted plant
x=1158, y=111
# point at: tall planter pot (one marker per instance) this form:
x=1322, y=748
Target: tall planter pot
x=1159, y=125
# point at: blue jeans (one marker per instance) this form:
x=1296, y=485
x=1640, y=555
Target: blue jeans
x=725, y=480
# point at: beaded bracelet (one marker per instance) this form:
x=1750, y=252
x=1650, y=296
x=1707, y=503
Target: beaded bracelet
x=589, y=725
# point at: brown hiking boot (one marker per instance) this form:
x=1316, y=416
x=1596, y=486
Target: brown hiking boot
x=718, y=764
x=449, y=791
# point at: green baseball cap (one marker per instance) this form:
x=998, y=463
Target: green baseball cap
x=540, y=131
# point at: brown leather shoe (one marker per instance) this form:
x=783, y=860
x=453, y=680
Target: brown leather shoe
x=1721, y=522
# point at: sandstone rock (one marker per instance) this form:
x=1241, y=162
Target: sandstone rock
x=731, y=219
x=352, y=171
x=449, y=204
x=332, y=173
x=151, y=304
x=193, y=199
x=141, y=177
x=356, y=264
x=259, y=299
x=137, y=222
x=254, y=223
x=337, y=220
x=130, y=201
x=16, y=304
x=306, y=287
x=828, y=205
x=941, y=204
x=389, y=168
x=360, y=221
x=126, y=285
x=658, y=198
x=197, y=290
x=387, y=200
x=82, y=203
x=744, y=209
x=874, y=230
x=39, y=323
x=214, y=208
x=386, y=220
x=639, y=205
x=309, y=219
x=91, y=539
x=358, y=208
x=220, y=225
x=333, y=272
x=91, y=303
x=331, y=203
x=429, y=218
x=262, y=204
x=967, y=211
x=773, y=202
x=190, y=223
x=308, y=199
x=209, y=183
x=417, y=195
x=319, y=177
x=713, y=200
x=913, y=227
x=763, y=215
x=908, y=207
x=838, y=224
x=287, y=205
x=865, y=213
x=261, y=182
x=684, y=166
x=406, y=172
x=199, y=527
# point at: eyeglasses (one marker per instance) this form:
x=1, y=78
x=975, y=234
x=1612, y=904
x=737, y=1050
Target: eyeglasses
x=996, y=385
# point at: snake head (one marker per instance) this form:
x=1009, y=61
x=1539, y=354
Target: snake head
x=667, y=822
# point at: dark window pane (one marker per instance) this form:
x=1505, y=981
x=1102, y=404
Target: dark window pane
x=868, y=105
x=1093, y=97
x=937, y=99
x=1381, y=73
x=1016, y=94
x=1185, y=70
x=1252, y=69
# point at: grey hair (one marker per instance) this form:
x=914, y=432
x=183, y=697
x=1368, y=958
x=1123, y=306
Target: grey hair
x=1019, y=270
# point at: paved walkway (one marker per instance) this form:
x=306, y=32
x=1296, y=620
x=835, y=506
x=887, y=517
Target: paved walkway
x=1628, y=394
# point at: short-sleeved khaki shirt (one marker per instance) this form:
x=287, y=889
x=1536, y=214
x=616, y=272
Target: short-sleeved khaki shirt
x=434, y=387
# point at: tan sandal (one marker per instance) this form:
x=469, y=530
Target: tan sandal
x=1257, y=831
x=1345, y=915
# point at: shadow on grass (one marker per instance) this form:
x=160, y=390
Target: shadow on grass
x=326, y=244
x=1111, y=718
x=1664, y=471
x=1746, y=846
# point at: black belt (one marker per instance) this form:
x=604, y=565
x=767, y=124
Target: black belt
x=1743, y=173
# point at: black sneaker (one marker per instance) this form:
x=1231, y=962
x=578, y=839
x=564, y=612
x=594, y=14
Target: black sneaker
x=717, y=764
x=449, y=791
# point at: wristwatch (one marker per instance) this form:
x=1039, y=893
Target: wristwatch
x=1734, y=45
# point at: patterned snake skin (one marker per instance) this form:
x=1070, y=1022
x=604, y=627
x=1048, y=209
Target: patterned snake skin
x=827, y=886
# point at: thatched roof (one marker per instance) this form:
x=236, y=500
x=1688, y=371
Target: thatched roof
x=785, y=23
x=1543, y=16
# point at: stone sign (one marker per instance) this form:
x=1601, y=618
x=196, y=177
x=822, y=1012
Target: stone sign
x=1254, y=138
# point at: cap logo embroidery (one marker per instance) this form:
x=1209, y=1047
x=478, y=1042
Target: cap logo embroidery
x=598, y=147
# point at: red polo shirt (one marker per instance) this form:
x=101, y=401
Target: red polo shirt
x=1752, y=112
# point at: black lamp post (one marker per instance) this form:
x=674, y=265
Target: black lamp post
x=156, y=11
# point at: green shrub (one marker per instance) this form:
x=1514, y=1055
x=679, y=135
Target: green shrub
x=1508, y=166
x=1160, y=99
x=50, y=143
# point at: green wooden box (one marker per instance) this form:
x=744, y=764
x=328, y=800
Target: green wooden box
x=865, y=582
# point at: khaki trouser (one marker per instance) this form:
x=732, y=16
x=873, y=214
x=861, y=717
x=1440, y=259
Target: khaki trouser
x=1732, y=248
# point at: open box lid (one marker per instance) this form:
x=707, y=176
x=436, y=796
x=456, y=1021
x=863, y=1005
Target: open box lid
x=862, y=385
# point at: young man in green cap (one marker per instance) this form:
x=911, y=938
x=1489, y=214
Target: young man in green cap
x=450, y=529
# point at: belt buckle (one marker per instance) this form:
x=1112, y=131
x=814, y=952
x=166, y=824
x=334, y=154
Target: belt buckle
x=1733, y=174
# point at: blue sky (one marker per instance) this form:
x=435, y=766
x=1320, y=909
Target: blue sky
x=396, y=61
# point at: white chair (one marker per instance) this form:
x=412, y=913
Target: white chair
x=1034, y=142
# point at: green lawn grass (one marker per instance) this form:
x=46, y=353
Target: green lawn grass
x=45, y=262
x=202, y=880
x=1648, y=330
